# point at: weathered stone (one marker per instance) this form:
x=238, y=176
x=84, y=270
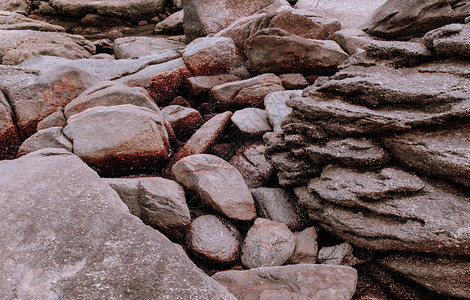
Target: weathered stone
x=280, y=206
x=173, y=24
x=267, y=243
x=450, y=40
x=135, y=10
x=56, y=119
x=122, y=139
x=291, y=282
x=275, y=106
x=251, y=163
x=431, y=220
x=108, y=93
x=201, y=84
x=219, y=185
x=277, y=51
x=9, y=136
x=350, y=40
x=246, y=93
x=251, y=120
x=94, y=20
x=136, y=47
x=184, y=120
x=69, y=235
x=306, y=247
x=452, y=66
x=293, y=81
x=443, y=152
x=214, y=240
x=400, y=54
x=341, y=254
x=401, y=19
x=203, y=17
x=16, y=21
x=209, y=55
x=20, y=6
x=444, y=275
x=158, y=202
x=167, y=80
x=47, y=138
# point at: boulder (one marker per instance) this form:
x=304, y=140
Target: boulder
x=450, y=40
x=167, y=80
x=293, y=81
x=350, y=40
x=341, y=254
x=202, y=84
x=277, y=51
x=136, y=47
x=203, y=17
x=267, y=244
x=56, y=119
x=184, y=120
x=275, y=106
x=219, y=185
x=171, y=25
x=158, y=202
x=17, y=46
x=209, y=55
x=16, y=21
x=291, y=282
x=214, y=240
x=306, y=247
x=123, y=139
x=47, y=138
x=250, y=120
x=69, y=235
x=398, y=53
x=402, y=19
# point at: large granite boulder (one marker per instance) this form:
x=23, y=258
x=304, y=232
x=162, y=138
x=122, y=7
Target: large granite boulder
x=67, y=235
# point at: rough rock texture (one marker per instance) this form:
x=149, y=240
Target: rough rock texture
x=278, y=205
x=291, y=282
x=275, y=106
x=16, y=46
x=79, y=240
x=267, y=243
x=20, y=6
x=277, y=51
x=167, y=80
x=134, y=10
x=402, y=19
x=306, y=247
x=445, y=275
x=203, y=17
x=201, y=84
x=184, y=120
x=47, y=138
x=219, y=185
x=351, y=39
x=136, y=47
x=9, y=136
x=171, y=25
x=450, y=40
x=214, y=240
x=158, y=202
x=16, y=21
x=293, y=81
x=251, y=120
x=341, y=254
x=119, y=139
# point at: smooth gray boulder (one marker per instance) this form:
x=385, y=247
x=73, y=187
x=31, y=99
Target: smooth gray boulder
x=139, y=46
x=275, y=106
x=251, y=120
x=47, y=138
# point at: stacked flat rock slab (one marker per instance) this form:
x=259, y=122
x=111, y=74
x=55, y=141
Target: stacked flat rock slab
x=389, y=141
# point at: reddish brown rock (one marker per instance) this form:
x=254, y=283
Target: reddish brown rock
x=170, y=82
x=201, y=84
x=306, y=247
x=293, y=81
x=184, y=121
x=9, y=137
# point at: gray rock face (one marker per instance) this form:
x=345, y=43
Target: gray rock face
x=201, y=84
x=47, y=138
x=402, y=19
x=275, y=106
x=306, y=247
x=79, y=240
x=400, y=54
x=158, y=202
x=119, y=139
x=267, y=243
x=444, y=275
x=214, y=240
x=9, y=136
x=56, y=119
x=450, y=40
x=20, y=6
x=277, y=51
x=136, y=47
x=280, y=206
x=251, y=120
x=341, y=254
x=16, y=21
x=173, y=24
x=350, y=40
x=310, y=282
x=219, y=185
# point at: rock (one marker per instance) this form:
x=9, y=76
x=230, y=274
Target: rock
x=167, y=80
x=202, y=84
x=135, y=10
x=251, y=163
x=177, y=4
x=203, y=17
x=278, y=205
x=173, y=24
x=349, y=12
x=9, y=136
x=209, y=55
x=341, y=254
x=450, y=40
x=158, y=202
x=34, y=95
x=444, y=275
x=16, y=21
x=275, y=106
x=19, y=6
x=20, y=45
x=129, y=139
x=184, y=120
x=219, y=185
x=56, y=119
x=350, y=40
x=400, y=19
x=293, y=81
x=442, y=152
x=291, y=282
x=136, y=47
x=253, y=121
x=47, y=138
x=108, y=93
x=94, y=20
x=246, y=93
x=85, y=242
x=306, y=247
x=214, y=240
x=431, y=220
x=277, y=51
x=399, y=53
x=450, y=66
x=267, y=243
